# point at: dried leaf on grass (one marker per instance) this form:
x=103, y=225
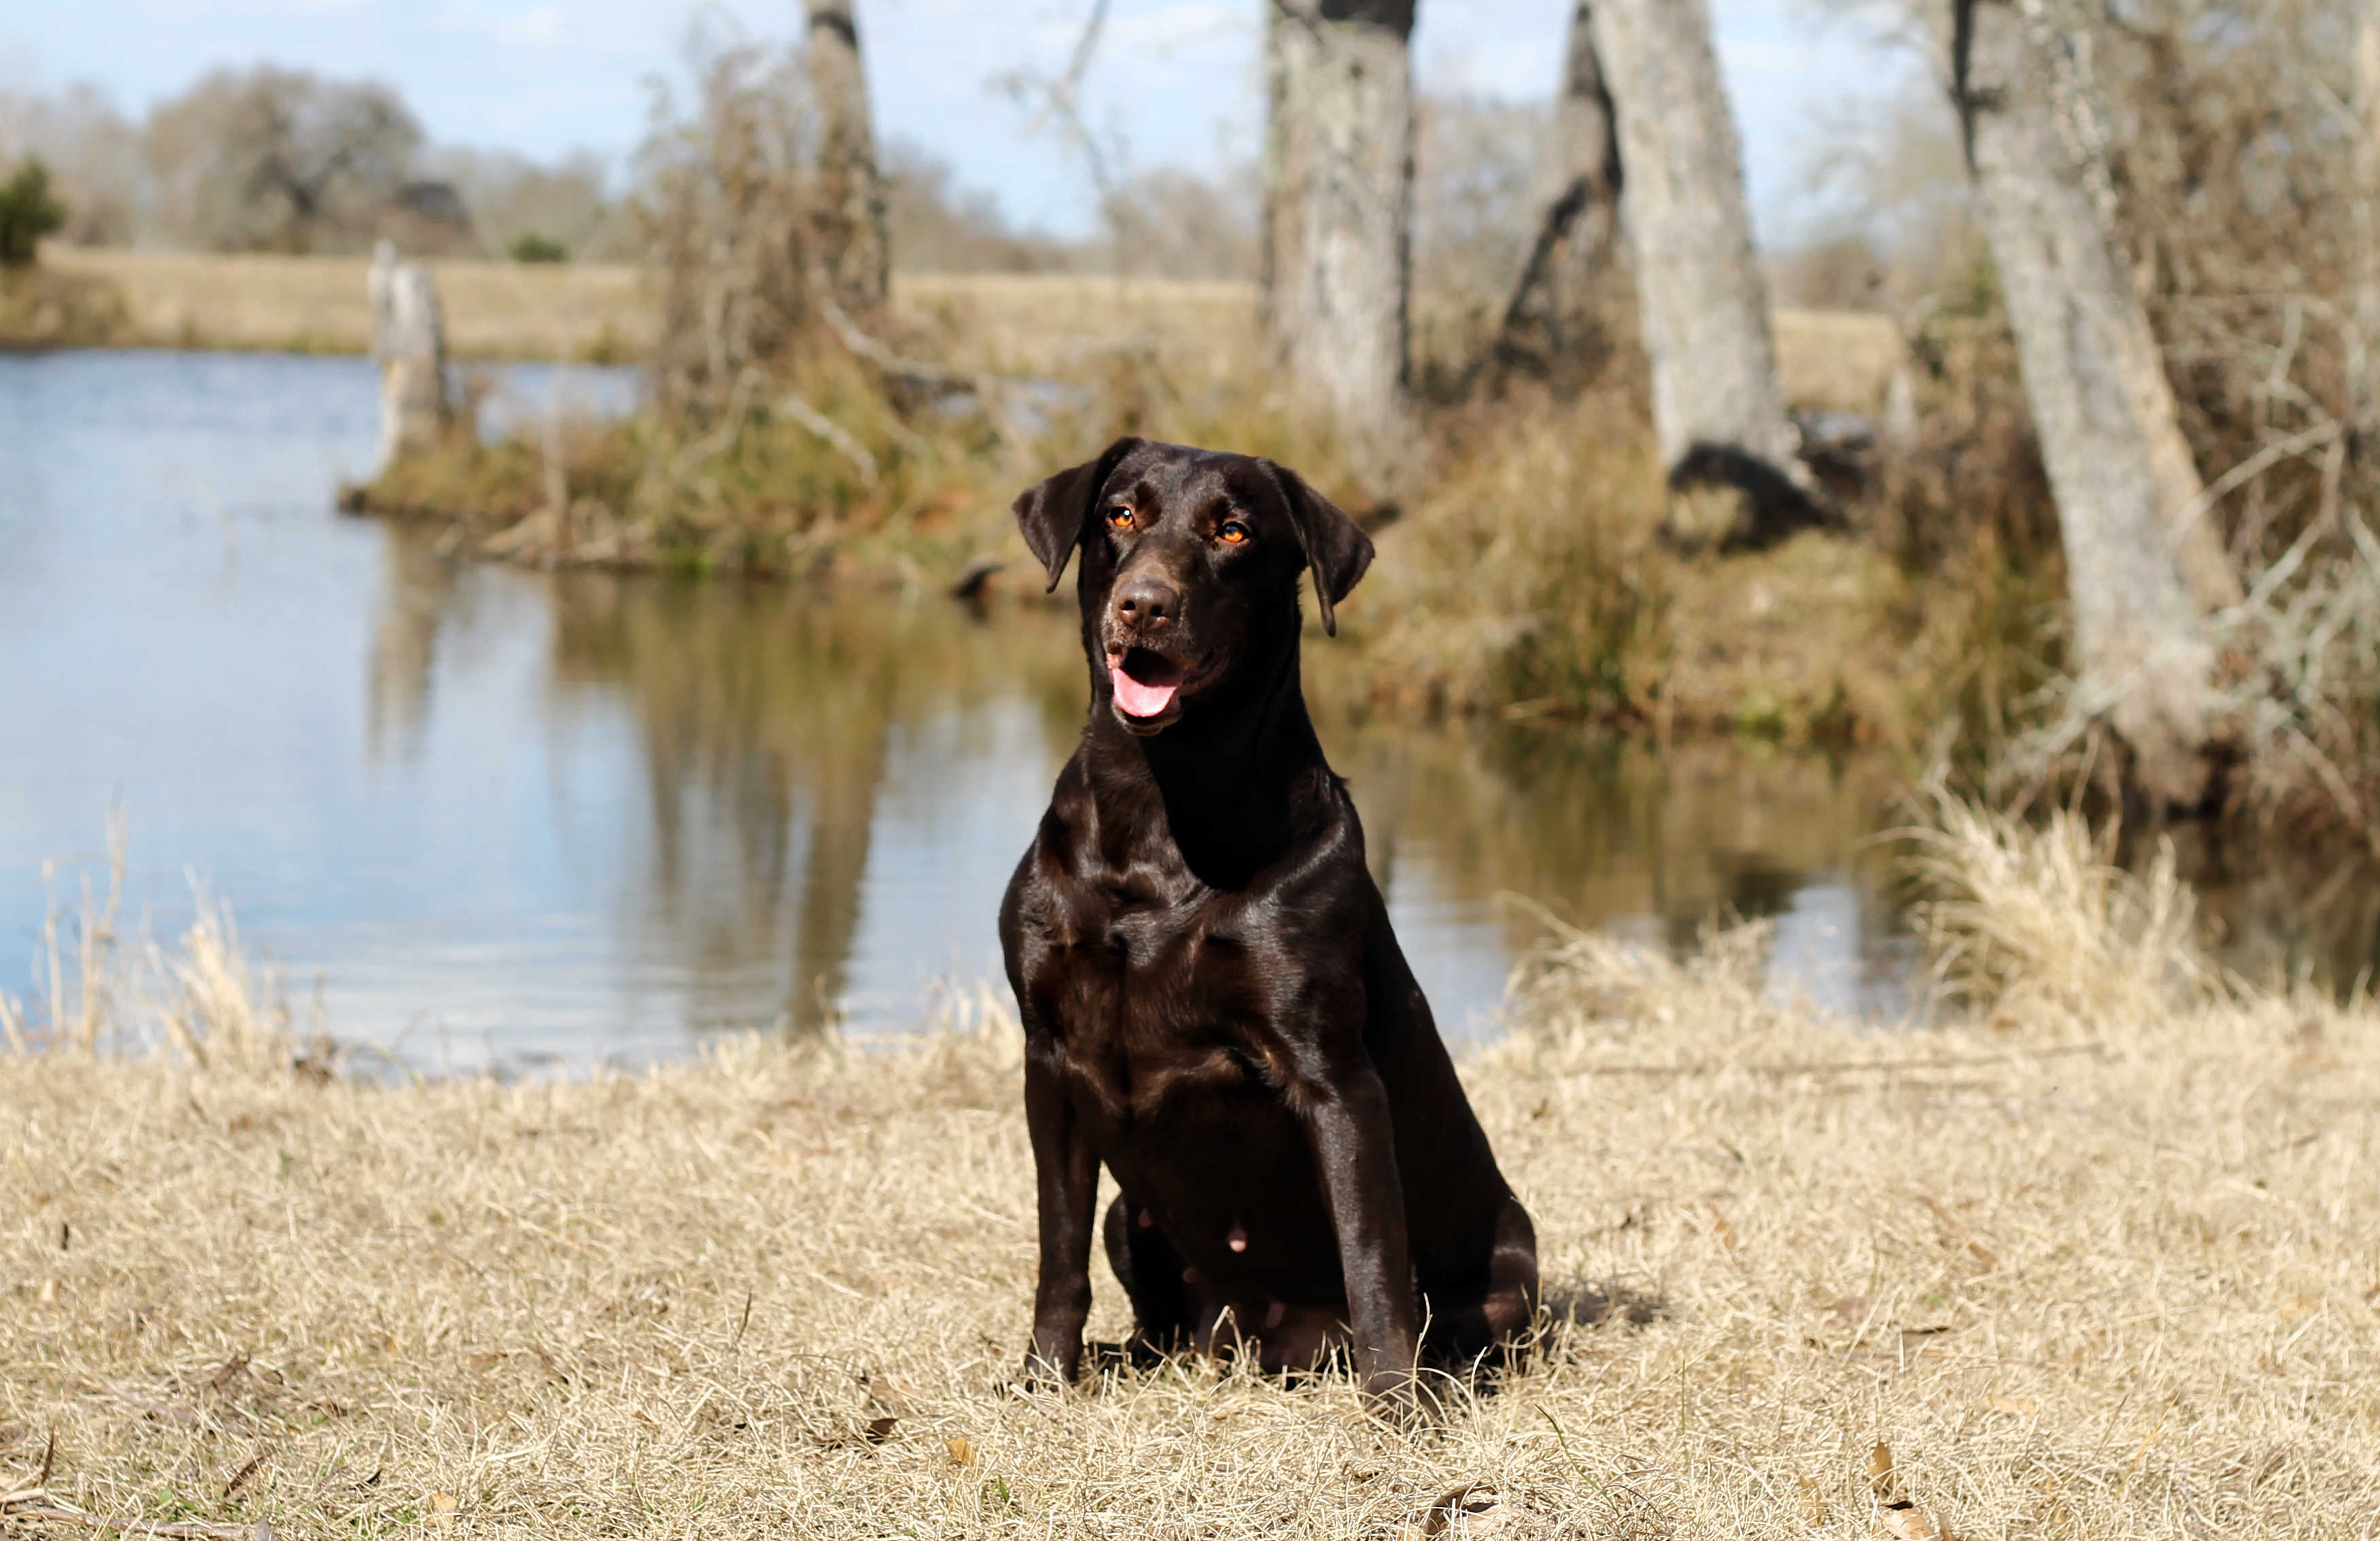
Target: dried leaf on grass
x=1473, y=1509
x=873, y=1432
x=247, y=1474
x=1906, y=1521
x=1720, y=1231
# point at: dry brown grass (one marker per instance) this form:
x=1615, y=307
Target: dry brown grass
x=1837, y=360
x=2040, y=926
x=318, y=304
x=1058, y=324
x=1030, y=324
x=2112, y=1276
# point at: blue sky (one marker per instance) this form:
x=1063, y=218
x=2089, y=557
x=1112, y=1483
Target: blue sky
x=1174, y=81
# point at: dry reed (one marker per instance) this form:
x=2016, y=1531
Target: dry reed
x=2108, y=1277
x=2042, y=925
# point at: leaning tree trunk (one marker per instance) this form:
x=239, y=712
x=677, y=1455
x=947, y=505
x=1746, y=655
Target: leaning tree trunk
x=1338, y=220
x=1554, y=322
x=1702, y=304
x=409, y=340
x=847, y=220
x=2118, y=467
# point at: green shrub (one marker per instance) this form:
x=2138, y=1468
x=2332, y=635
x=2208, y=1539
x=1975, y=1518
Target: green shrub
x=534, y=247
x=29, y=210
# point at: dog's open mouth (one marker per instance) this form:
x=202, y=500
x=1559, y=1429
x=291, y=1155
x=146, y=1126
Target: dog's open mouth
x=1145, y=682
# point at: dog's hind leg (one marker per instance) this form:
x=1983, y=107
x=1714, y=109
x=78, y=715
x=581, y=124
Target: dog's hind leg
x=1150, y=1271
x=1473, y=1325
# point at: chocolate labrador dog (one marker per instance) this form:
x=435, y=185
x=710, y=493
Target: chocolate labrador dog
x=1214, y=1005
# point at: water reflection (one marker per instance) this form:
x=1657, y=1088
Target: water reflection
x=807, y=758
x=418, y=590
x=2278, y=911
x=769, y=721
x=510, y=815
x=1657, y=847
x=516, y=816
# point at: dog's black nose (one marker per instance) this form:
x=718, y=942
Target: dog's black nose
x=1147, y=601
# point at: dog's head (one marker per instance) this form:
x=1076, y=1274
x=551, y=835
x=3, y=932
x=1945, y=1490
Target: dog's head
x=1190, y=564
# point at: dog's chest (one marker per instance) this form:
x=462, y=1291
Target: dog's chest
x=1157, y=1003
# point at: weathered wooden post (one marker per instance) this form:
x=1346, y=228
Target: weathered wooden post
x=409, y=340
x=849, y=216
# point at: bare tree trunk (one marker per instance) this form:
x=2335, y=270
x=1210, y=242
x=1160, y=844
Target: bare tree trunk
x=848, y=219
x=1338, y=220
x=2364, y=391
x=409, y=340
x=2105, y=415
x=1552, y=320
x=1701, y=303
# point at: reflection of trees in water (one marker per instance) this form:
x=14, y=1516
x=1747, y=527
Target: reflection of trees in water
x=2274, y=911
x=417, y=594
x=1604, y=832
x=1599, y=831
x=765, y=715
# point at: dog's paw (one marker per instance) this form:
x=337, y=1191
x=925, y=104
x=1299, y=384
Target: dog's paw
x=1042, y=1375
x=1136, y=1353
x=1405, y=1399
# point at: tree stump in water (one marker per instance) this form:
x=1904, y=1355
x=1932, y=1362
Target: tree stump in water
x=409, y=341
x=849, y=216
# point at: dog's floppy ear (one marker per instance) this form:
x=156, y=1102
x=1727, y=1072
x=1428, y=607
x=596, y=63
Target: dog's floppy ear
x=1054, y=513
x=1335, y=548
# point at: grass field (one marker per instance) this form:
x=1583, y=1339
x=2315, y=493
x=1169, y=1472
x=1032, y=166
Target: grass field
x=318, y=304
x=2106, y=1271
x=1034, y=324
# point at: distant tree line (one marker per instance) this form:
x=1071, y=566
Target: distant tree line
x=276, y=160
x=267, y=159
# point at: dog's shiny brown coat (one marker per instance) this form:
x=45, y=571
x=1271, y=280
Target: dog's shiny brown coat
x=1214, y=1004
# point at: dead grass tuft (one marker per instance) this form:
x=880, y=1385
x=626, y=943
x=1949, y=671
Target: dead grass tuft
x=2040, y=926
x=2107, y=1278
x=1526, y=577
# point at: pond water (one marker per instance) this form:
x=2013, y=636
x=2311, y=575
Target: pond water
x=505, y=817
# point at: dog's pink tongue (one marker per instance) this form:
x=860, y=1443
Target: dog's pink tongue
x=1138, y=700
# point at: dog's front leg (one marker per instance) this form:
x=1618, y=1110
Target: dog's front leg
x=1347, y=1119
x=1067, y=1176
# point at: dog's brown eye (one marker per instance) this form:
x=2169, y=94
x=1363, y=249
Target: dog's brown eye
x=1119, y=517
x=1234, y=533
